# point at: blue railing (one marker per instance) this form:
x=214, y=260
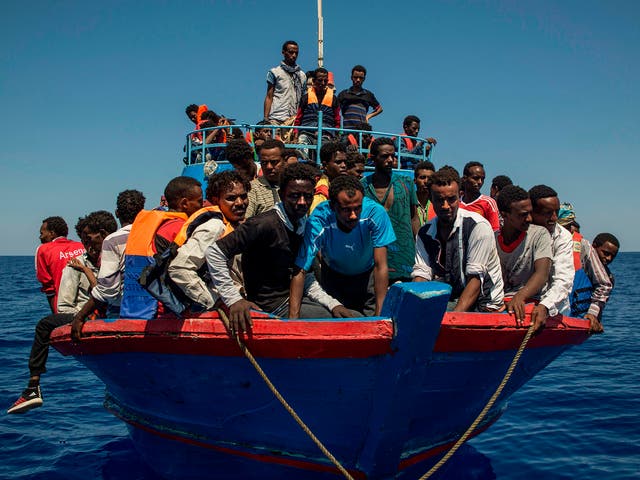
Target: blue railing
x=198, y=152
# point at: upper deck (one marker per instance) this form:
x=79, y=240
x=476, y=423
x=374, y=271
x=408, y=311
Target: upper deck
x=208, y=144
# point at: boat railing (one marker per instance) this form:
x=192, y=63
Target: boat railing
x=198, y=151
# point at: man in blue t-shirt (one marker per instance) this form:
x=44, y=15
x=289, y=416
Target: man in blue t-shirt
x=351, y=233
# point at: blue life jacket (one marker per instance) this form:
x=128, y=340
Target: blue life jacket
x=136, y=301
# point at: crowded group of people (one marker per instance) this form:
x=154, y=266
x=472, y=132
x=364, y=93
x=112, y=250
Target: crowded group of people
x=292, y=105
x=303, y=240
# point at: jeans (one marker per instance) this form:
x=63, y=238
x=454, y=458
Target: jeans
x=40, y=347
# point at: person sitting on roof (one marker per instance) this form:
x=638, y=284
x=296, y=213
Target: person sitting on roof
x=472, y=180
x=227, y=193
x=107, y=294
x=356, y=101
x=264, y=189
x=555, y=295
x=351, y=233
x=153, y=232
x=319, y=99
x=397, y=195
x=269, y=243
x=525, y=254
x=497, y=184
x=52, y=256
x=411, y=128
x=421, y=175
x=458, y=247
x=333, y=157
x=78, y=278
x=240, y=155
x=194, y=113
x=588, y=299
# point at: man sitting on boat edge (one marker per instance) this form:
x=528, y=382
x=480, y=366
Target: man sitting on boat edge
x=351, y=233
x=555, y=294
x=78, y=278
x=227, y=193
x=107, y=294
x=458, y=247
x=269, y=244
x=525, y=254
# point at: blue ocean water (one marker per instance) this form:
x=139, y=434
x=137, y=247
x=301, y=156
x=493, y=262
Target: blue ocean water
x=579, y=418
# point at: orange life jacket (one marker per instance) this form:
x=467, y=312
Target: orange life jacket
x=138, y=253
x=577, y=250
x=197, y=219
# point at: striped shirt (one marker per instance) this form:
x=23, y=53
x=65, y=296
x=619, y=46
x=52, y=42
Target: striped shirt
x=262, y=197
x=601, y=280
x=110, y=278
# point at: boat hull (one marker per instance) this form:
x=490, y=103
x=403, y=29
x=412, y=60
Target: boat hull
x=386, y=395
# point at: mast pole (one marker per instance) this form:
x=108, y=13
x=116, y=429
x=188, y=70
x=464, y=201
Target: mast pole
x=320, y=35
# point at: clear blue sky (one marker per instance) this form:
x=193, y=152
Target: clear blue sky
x=92, y=94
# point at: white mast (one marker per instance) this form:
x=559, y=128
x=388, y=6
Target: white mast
x=320, y=35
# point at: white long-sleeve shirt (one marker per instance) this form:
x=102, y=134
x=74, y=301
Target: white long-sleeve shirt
x=74, y=287
x=555, y=294
x=219, y=270
x=184, y=268
x=111, y=275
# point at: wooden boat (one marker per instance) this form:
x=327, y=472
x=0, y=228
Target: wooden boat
x=386, y=395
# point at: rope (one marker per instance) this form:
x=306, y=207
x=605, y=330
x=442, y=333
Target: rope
x=486, y=408
x=284, y=403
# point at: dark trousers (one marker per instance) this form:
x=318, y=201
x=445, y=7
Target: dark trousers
x=40, y=347
x=356, y=292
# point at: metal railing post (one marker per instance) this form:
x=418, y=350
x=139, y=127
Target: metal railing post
x=319, y=140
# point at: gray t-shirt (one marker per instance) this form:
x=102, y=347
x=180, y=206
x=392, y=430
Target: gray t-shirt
x=517, y=265
x=289, y=84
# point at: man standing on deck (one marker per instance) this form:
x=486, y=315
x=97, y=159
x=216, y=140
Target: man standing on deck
x=350, y=233
x=421, y=175
x=356, y=101
x=458, y=247
x=269, y=243
x=107, y=294
x=52, y=256
x=587, y=264
x=555, y=295
x=264, y=189
x=472, y=181
x=317, y=99
x=286, y=84
x=78, y=278
x=395, y=193
x=411, y=128
x=525, y=255
x=333, y=156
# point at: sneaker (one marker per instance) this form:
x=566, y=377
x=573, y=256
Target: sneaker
x=30, y=398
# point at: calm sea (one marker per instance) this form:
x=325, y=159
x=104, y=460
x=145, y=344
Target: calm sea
x=579, y=418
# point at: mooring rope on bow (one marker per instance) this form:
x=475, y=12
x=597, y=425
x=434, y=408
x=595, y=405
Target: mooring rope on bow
x=274, y=390
x=486, y=408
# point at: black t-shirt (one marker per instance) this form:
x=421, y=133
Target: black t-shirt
x=268, y=250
